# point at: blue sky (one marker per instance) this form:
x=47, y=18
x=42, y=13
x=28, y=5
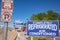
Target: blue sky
x=23, y=9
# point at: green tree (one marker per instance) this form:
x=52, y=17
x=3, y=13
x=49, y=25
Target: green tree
x=49, y=15
x=52, y=15
x=39, y=16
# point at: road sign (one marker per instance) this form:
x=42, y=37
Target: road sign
x=43, y=28
x=7, y=7
x=6, y=17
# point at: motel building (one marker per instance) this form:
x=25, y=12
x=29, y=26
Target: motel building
x=19, y=26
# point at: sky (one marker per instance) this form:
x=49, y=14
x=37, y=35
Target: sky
x=23, y=9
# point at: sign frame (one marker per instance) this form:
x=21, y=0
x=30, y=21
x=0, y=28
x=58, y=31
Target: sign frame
x=42, y=20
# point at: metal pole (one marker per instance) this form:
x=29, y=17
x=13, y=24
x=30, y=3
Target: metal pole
x=5, y=30
x=54, y=38
x=31, y=38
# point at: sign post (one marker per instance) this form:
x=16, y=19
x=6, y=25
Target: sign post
x=54, y=38
x=6, y=15
x=31, y=38
x=0, y=18
x=5, y=30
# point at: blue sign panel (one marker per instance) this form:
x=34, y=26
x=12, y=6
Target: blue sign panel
x=42, y=28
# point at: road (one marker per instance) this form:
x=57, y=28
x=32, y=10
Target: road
x=21, y=36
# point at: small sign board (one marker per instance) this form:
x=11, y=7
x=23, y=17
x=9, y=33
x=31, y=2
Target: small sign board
x=18, y=23
x=43, y=28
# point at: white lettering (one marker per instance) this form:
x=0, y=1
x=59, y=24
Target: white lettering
x=42, y=26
